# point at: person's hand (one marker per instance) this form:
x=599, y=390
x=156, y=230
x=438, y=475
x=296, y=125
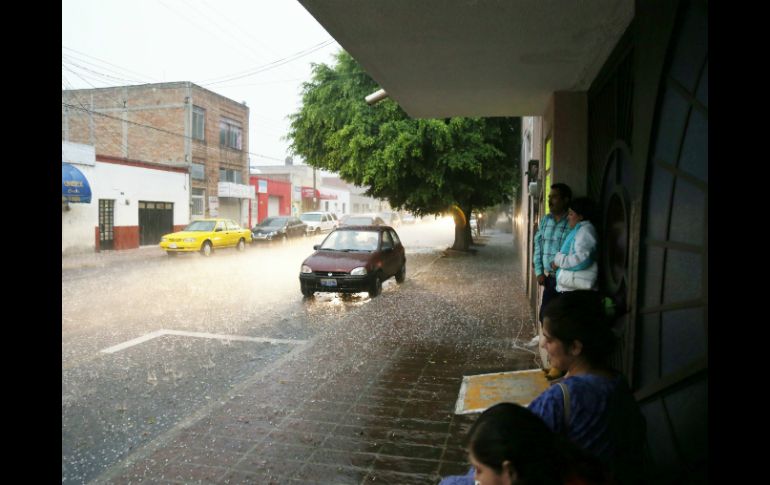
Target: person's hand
x=553, y=265
x=541, y=280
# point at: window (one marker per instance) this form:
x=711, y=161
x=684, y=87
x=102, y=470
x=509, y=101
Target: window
x=230, y=134
x=387, y=242
x=198, y=171
x=198, y=202
x=199, y=123
x=395, y=237
x=229, y=175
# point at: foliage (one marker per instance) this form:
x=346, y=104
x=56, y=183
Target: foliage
x=422, y=165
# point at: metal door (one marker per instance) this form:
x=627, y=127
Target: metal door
x=155, y=220
x=106, y=224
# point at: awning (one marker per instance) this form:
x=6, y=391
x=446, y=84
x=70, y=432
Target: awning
x=74, y=185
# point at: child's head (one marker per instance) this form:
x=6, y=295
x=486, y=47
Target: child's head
x=509, y=444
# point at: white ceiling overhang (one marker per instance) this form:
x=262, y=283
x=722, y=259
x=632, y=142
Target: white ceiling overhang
x=440, y=58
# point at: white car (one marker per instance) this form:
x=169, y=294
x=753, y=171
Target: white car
x=318, y=222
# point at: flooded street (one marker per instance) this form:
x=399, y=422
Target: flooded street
x=216, y=370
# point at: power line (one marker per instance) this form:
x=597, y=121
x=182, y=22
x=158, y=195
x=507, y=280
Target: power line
x=101, y=74
x=111, y=64
x=266, y=67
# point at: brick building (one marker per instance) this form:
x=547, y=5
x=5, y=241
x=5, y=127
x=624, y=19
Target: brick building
x=175, y=124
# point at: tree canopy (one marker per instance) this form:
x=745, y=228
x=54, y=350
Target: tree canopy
x=423, y=165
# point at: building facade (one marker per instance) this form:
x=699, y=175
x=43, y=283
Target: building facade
x=131, y=203
x=178, y=125
x=273, y=199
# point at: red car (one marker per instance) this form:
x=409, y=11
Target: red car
x=353, y=259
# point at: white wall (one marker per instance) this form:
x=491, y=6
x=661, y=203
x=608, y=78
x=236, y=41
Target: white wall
x=79, y=220
x=343, y=197
x=127, y=185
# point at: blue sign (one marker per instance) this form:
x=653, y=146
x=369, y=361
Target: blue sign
x=74, y=185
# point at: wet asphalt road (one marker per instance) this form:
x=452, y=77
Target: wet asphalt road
x=113, y=403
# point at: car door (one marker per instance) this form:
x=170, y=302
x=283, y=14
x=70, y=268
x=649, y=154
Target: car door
x=400, y=251
x=297, y=227
x=230, y=233
x=219, y=237
x=326, y=222
x=390, y=258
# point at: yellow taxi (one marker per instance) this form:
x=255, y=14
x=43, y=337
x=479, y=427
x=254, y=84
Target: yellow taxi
x=206, y=235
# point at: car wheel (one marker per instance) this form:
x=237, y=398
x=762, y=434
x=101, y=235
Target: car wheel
x=206, y=249
x=401, y=275
x=307, y=292
x=376, y=287
x=241, y=245
x=317, y=231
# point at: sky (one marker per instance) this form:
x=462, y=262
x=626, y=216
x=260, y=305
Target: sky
x=257, y=51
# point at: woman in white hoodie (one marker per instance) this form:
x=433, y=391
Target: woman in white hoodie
x=576, y=261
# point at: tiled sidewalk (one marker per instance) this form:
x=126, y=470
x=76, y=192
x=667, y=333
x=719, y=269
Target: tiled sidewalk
x=369, y=401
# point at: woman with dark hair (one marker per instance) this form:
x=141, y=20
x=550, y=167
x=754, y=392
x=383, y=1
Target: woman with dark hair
x=592, y=405
x=508, y=444
x=575, y=263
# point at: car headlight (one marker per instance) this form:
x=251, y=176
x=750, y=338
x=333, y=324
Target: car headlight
x=360, y=271
x=306, y=269
x=273, y=233
x=189, y=239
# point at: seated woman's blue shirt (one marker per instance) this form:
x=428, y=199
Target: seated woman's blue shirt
x=589, y=400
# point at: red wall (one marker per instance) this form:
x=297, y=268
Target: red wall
x=275, y=188
x=126, y=237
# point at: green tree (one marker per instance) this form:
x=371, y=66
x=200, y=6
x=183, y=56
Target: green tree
x=426, y=166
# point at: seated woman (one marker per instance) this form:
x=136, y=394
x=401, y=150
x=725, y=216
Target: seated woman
x=592, y=405
x=575, y=263
x=508, y=445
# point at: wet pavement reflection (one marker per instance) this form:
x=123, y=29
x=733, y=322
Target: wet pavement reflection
x=368, y=399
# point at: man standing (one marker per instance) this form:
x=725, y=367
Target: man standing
x=549, y=238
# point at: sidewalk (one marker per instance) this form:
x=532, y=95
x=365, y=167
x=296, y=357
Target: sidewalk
x=109, y=257
x=370, y=400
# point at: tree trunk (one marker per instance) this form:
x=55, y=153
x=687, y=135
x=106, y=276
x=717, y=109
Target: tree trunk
x=462, y=220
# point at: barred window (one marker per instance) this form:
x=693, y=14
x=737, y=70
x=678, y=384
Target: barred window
x=198, y=171
x=230, y=134
x=199, y=123
x=198, y=202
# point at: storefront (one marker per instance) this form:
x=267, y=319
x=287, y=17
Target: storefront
x=273, y=198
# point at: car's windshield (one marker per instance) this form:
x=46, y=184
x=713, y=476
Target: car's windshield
x=351, y=241
x=310, y=217
x=200, y=226
x=273, y=222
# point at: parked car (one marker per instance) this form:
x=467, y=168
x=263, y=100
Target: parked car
x=362, y=220
x=318, y=222
x=353, y=259
x=391, y=218
x=206, y=235
x=336, y=219
x=279, y=228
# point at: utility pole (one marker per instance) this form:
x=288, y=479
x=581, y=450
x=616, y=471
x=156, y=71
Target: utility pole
x=315, y=200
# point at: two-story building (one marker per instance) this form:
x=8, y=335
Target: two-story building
x=178, y=125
